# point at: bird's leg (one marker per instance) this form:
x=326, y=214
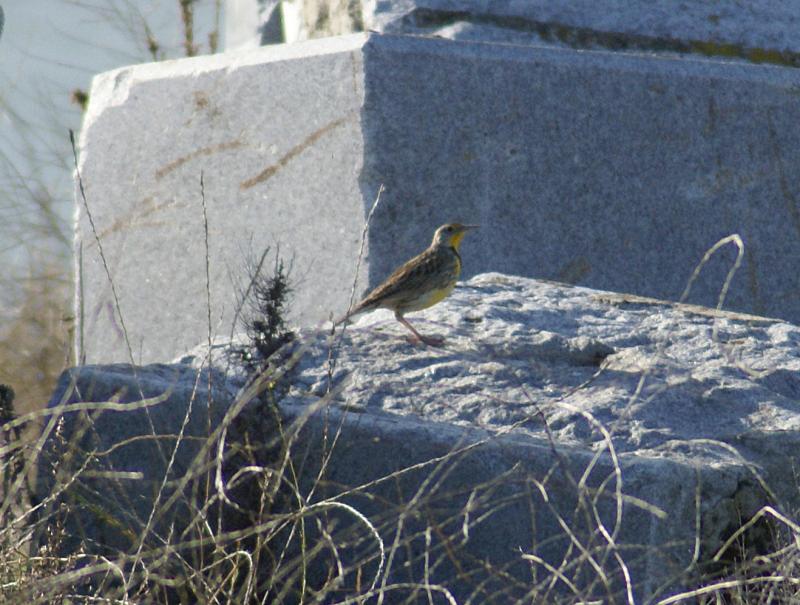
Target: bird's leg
x=428, y=340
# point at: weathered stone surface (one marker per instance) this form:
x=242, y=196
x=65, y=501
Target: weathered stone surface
x=758, y=31
x=607, y=170
x=476, y=450
x=615, y=171
x=677, y=381
x=490, y=499
x=273, y=177
x=691, y=399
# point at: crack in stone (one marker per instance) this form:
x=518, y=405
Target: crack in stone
x=165, y=170
x=587, y=38
x=270, y=171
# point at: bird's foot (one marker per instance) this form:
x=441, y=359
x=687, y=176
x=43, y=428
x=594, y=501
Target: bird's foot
x=432, y=341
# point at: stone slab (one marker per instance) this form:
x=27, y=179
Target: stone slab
x=764, y=31
x=612, y=170
x=477, y=495
x=275, y=133
x=682, y=382
x=475, y=492
x=468, y=455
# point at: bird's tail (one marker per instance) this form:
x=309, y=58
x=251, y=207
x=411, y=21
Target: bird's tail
x=357, y=310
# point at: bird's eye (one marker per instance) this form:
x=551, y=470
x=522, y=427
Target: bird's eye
x=450, y=229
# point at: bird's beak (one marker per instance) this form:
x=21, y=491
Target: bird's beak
x=468, y=227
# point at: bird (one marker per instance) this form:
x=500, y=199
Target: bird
x=423, y=281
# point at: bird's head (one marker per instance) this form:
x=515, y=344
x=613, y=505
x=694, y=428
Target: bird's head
x=451, y=234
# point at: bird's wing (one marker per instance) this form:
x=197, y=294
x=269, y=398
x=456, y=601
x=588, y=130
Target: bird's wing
x=404, y=281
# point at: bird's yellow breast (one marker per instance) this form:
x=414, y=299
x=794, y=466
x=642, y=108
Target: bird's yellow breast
x=430, y=298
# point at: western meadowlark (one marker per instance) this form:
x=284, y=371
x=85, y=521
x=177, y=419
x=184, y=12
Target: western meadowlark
x=421, y=282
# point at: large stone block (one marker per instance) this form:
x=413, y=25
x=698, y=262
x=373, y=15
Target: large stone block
x=559, y=428
x=486, y=500
x=756, y=31
x=611, y=170
x=277, y=138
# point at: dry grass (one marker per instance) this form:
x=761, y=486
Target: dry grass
x=35, y=343
x=36, y=291
x=254, y=517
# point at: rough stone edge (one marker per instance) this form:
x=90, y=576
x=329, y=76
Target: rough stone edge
x=572, y=31
x=111, y=88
